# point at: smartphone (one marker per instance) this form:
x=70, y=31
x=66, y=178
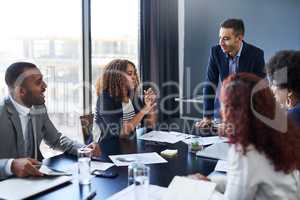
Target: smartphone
x=105, y=174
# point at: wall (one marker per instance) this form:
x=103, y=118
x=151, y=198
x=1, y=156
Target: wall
x=270, y=24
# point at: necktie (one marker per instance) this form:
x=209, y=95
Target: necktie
x=29, y=139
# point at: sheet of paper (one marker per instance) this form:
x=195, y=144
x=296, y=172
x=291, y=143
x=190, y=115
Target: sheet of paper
x=222, y=166
x=186, y=188
x=155, y=193
x=100, y=165
x=164, y=136
x=207, y=140
x=21, y=188
x=217, y=151
x=146, y=158
x=52, y=172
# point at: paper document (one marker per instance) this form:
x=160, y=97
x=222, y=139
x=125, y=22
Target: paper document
x=164, y=136
x=155, y=193
x=146, y=158
x=216, y=151
x=53, y=172
x=207, y=140
x=182, y=188
x=222, y=166
x=100, y=165
x=21, y=188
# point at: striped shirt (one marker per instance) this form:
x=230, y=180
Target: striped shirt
x=128, y=111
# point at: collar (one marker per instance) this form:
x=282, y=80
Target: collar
x=22, y=110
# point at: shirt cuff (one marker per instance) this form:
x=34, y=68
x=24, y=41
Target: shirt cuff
x=8, y=167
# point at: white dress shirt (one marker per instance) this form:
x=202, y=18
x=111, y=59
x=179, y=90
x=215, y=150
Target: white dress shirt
x=252, y=176
x=24, y=118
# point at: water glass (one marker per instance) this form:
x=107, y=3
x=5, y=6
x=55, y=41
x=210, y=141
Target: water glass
x=131, y=167
x=141, y=175
x=84, y=165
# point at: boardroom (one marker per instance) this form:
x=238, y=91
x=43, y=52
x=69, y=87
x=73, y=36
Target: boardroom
x=149, y=99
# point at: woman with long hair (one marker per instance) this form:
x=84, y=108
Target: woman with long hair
x=264, y=153
x=119, y=109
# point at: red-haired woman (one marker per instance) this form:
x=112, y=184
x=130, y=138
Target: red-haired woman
x=264, y=155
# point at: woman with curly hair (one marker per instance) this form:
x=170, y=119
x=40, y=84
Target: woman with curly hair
x=283, y=71
x=264, y=155
x=119, y=110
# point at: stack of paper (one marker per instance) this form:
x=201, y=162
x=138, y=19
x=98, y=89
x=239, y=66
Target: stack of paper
x=52, y=172
x=155, y=193
x=100, y=165
x=207, y=140
x=164, y=136
x=145, y=158
x=216, y=151
x=182, y=188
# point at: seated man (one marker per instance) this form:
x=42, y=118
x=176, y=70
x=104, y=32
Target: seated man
x=25, y=123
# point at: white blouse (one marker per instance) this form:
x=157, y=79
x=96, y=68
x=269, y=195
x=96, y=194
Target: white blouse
x=252, y=176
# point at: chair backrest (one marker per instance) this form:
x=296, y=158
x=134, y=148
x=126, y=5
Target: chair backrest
x=87, y=127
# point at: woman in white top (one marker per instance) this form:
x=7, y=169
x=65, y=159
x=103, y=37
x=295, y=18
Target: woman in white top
x=264, y=156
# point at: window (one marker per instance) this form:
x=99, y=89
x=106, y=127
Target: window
x=41, y=32
x=115, y=27
x=49, y=34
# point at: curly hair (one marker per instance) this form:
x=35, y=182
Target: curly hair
x=288, y=61
x=114, y=79
x=237, y=96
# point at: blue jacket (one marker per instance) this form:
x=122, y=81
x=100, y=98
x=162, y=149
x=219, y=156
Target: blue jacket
x=251, y=60
x=294, y=113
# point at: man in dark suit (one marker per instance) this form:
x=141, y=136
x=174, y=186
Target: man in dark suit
x=24, y=123
x=232, y=55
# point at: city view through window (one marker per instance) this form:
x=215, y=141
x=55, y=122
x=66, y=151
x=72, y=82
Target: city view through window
x=48, y=33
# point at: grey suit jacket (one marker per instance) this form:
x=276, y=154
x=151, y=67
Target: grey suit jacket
x=11, y=136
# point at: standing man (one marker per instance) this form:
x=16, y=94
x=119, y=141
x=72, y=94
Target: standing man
x=24, y=123
x=232, y=55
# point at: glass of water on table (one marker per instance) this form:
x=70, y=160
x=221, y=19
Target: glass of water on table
x=84, y=165
x=141, y=175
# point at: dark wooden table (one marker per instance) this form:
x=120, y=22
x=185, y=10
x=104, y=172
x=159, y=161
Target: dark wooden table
x=160, y=174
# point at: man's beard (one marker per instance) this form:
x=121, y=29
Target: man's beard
x=30, y=99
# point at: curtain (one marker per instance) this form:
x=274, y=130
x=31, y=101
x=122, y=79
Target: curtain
x=159, y=52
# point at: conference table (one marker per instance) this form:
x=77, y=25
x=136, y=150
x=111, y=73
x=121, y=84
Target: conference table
x=182, y=164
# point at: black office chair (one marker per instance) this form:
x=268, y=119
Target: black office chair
x=87, y=127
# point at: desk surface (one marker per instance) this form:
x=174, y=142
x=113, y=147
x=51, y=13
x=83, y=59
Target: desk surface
x=160, y=174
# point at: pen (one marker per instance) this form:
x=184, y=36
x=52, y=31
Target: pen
x=90, y=196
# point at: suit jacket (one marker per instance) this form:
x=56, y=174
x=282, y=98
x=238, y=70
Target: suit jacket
x=251, y=60
x=109, y=115
x=12, y=140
